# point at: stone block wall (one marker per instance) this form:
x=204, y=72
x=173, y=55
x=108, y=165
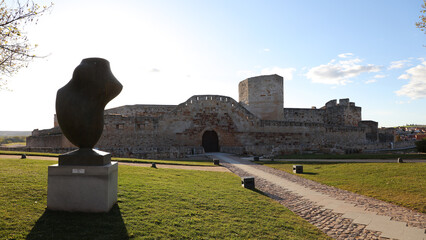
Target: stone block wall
x=386, y=135
x=49, y=138
x=141, y=110
x=304, y=115
x=371, y=130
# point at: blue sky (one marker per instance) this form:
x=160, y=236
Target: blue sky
x=163, y=52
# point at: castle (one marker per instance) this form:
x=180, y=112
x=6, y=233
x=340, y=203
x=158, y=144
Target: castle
x=258, y=124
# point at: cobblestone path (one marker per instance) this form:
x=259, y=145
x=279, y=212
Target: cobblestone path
x=338, y=213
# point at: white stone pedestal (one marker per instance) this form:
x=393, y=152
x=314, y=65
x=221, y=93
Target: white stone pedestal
x=82, y=188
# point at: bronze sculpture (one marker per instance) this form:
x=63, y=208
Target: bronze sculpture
x=80, y=110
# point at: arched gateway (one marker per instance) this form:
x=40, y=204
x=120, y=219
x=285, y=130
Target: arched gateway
x=210, y=141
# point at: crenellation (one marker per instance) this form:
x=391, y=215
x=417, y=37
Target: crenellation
x=344, y=102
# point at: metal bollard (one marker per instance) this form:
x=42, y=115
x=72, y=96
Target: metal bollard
x=297, y=169
x=248, y=182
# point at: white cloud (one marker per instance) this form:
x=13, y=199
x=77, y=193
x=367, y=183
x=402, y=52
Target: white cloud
x=339, y=72
x=379, y=76
x=345, y=55
x=286, y=73
x=370, y=81
x=404, y=76
x=398, y=64
x=416, y=87
x=350, y=61
x=266, y=50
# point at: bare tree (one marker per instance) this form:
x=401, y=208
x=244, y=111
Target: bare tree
x=15, y=49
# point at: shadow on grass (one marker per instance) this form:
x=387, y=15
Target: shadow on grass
x=66, y=225
x=307, y=173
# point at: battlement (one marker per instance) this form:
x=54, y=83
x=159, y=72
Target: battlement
x=344, y=113
x=342, y=103
x=217, y=98
x=216, y=103
x=141, y=110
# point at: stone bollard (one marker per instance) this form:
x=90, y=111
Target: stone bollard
x=297, y=169
x=154, y=165
x=216, y=162
x=248, y=182
x=23, y=156
x=400, y=160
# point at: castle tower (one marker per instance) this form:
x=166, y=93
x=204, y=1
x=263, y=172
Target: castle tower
x=263, y=96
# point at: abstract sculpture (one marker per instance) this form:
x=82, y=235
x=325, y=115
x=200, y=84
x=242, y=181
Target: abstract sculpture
x=84, y=180
x=80, y=110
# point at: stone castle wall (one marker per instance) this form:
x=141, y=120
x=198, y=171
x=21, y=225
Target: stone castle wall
x=141, y=110
x=180, y=131
x=257, y=125
x=304, y=115
x=49, y=138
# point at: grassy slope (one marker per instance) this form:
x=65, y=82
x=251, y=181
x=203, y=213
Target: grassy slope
x=153, y=204
x=402, y=184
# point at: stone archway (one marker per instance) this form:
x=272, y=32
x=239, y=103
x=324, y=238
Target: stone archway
x=210, y=141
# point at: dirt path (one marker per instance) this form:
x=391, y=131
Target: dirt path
x=198, y=168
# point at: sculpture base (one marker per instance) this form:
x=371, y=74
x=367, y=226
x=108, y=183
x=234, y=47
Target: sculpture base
x=85, y=157
x=82, y=188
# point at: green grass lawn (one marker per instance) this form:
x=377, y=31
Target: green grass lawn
x=389, y=155
x=187, y=162
x=403, y=184
x=29, y=153
x=153, y=204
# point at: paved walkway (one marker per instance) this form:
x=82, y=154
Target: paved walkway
x=338, y=213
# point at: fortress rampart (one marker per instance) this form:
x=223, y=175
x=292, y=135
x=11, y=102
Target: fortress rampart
x=258, y=124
